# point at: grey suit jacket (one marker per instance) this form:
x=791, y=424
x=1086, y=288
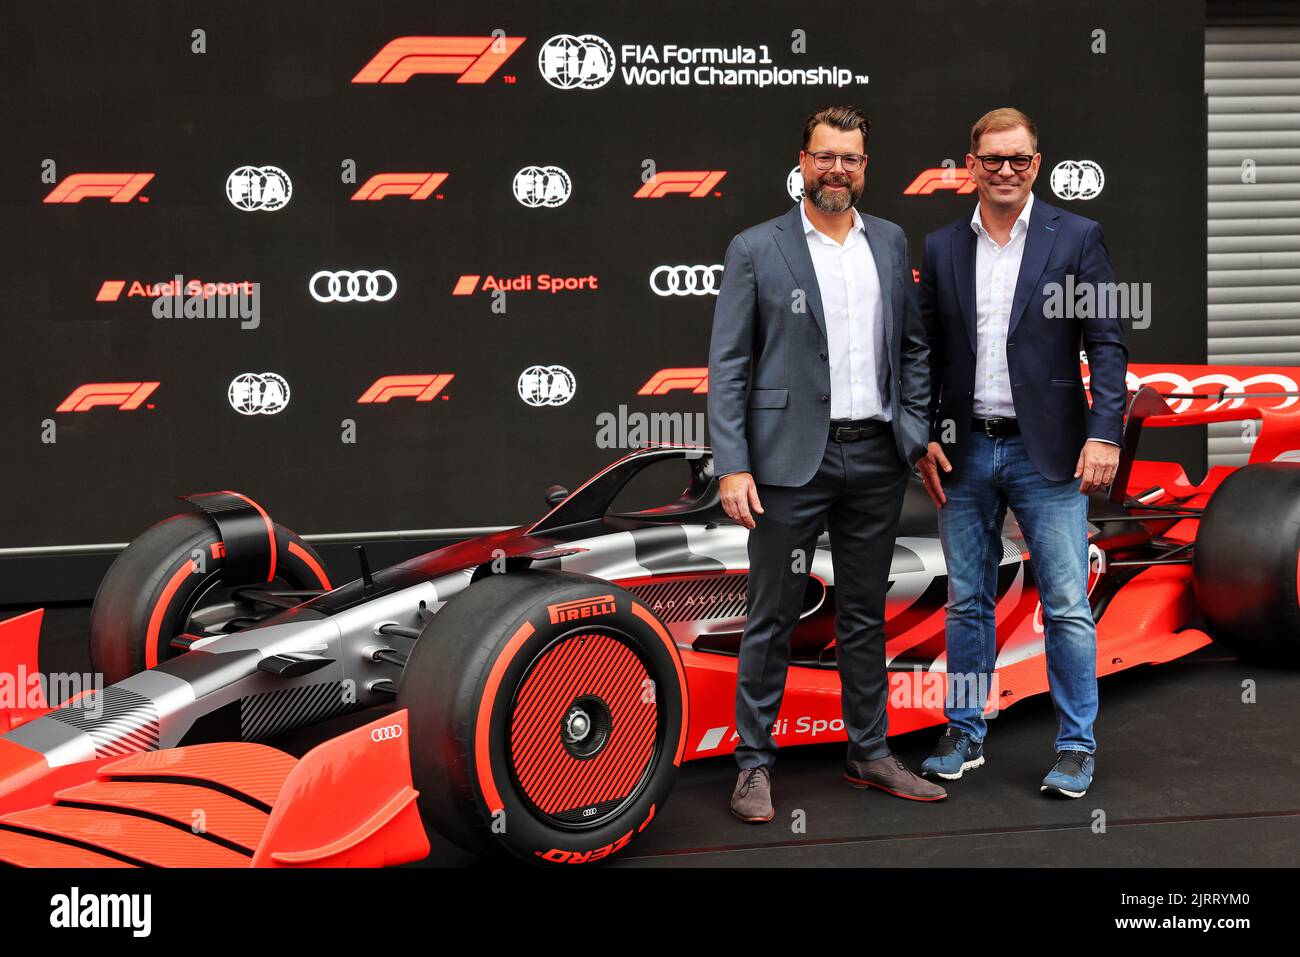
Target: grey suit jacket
x=769, y=372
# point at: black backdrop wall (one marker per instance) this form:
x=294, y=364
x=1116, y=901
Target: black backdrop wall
x=113, y=88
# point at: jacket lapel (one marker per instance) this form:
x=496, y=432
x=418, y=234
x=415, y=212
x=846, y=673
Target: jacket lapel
x=1040, y=239
x=885, y=274
x=794, y=247
x=963, y=267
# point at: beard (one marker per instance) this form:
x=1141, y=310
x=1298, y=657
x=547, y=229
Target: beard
x=827, y=201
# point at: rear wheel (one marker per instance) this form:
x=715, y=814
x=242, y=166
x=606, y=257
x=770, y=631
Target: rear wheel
x=547, y=715
x=1247, y=563
x=167, y=582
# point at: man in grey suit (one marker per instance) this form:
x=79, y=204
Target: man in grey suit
x=818, y=407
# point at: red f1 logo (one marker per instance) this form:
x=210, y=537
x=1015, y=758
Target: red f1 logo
x=932, y=180
x=695, y=184
x=422, y=387
x=414, y=185
x=666, y=380
x=117, y=187
x=473, y=58
x=124, y=395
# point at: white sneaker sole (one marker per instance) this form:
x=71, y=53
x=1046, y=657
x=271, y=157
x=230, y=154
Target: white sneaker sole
x=968, y=766
x=1062, y=791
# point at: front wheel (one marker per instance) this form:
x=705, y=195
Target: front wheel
x=168, y=582
x=548, y=714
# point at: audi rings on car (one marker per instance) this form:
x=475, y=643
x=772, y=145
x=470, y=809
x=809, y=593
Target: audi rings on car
x=353, y=285
x=686, y=280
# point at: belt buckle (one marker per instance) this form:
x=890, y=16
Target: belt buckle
x=990, y=426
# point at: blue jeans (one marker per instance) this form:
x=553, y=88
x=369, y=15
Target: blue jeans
x=1054, y=519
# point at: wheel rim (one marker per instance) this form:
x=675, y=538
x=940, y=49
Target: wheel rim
x=585, y=729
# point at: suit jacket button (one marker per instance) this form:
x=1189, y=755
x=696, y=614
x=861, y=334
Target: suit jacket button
x=823, y=355
x=826, y=398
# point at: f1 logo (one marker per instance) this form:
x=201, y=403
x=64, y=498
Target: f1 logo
x=667, y=380
x=475, y=59
x=414, y=185
x=124, y=395
x=695, y=184
x=932, y=180
x=117, y=187
x=422, y=387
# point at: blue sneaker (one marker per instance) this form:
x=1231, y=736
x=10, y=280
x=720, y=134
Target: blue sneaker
x=955, y=754
x=1072, y=774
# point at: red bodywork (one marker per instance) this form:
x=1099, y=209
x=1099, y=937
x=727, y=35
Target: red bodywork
x=350, y=801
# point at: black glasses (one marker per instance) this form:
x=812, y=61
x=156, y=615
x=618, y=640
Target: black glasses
x=992, y=162
x=825, y=159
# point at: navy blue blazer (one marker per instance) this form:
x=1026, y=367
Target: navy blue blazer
x=1042, y=350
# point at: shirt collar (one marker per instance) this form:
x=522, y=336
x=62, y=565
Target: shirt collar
x=808, y=227
x=1021, y=223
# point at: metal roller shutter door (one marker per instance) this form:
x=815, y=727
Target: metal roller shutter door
x=1252, y=86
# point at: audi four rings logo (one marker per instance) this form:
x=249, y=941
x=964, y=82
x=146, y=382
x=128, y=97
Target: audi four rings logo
x=389, y=732
x=1213, y=382
x=686, y=280
x=355, y=285
x=1077, y=179
x=546, y=186
x=253, y=188
x=576, y=63
x=254, y=393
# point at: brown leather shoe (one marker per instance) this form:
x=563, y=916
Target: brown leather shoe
x=890, y=774
x=751, y=801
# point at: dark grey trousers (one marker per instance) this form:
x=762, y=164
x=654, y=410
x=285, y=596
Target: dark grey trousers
x=857, y=495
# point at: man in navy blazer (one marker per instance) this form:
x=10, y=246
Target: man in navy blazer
x=1011, y=426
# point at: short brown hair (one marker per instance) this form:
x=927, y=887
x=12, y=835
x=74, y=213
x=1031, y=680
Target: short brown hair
x=1003, y=118
x=838, y=117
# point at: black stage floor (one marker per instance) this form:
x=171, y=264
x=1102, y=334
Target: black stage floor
x=1188, y=776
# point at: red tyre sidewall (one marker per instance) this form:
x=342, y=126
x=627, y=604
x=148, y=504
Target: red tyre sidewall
x=148, y=593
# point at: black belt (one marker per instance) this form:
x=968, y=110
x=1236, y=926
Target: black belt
x=996, y=428
x=854, y=430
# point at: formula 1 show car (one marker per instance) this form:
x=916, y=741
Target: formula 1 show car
x=535, y=691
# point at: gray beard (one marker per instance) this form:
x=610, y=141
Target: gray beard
x=832, y=202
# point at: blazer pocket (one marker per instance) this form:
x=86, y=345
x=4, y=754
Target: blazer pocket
x=768, y=398
x=1073, y=383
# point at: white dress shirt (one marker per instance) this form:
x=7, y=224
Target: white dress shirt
x=997, y=268
x=855, y=320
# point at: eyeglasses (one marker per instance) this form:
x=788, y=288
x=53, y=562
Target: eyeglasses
x=992, y=162
x=825, y=159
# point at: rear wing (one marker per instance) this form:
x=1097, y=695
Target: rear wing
x=1177, y=396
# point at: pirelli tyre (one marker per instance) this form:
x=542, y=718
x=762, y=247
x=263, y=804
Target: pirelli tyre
x=1245, y=566
x=548, y=714
x=167, y=582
